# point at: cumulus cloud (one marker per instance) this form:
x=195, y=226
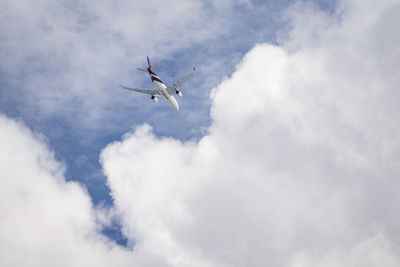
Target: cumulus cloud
x=300, y=165
x=45, y=221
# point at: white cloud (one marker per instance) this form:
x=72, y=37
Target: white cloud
x=45, y=221
x=300, y=166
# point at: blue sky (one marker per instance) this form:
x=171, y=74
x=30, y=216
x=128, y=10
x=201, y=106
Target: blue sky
x=284, y=152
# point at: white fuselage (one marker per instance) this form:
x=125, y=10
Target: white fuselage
x=162, y=89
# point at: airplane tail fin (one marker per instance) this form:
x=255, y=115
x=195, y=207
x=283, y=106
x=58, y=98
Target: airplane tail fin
x=148, y=62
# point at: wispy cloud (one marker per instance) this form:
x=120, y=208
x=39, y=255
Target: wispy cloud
x=60, y=54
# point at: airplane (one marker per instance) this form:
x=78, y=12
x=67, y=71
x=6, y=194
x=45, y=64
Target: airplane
x=162, y=90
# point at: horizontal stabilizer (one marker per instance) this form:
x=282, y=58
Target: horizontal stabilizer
x=153, y=68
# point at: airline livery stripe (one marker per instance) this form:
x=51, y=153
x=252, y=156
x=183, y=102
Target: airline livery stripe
x=155, y=78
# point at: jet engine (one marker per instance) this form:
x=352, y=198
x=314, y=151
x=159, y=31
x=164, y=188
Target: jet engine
x=178, y=93
x=154, y=98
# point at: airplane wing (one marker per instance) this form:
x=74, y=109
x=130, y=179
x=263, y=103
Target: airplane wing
x=172, y=88
x=146, y=91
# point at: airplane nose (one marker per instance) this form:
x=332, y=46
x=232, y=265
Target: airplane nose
x=176, y=106
x=174, y=103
